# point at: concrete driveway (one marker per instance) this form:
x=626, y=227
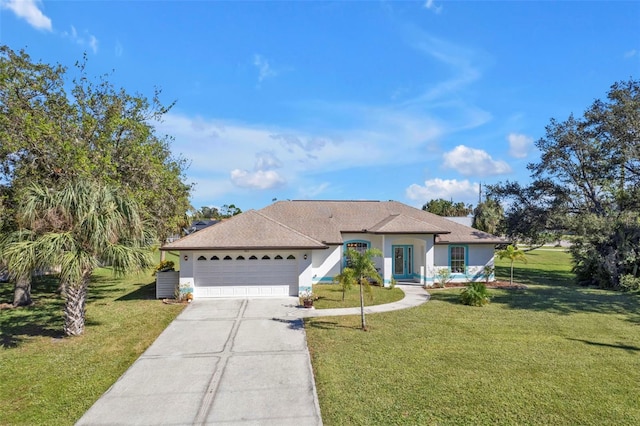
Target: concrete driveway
x=223, y=362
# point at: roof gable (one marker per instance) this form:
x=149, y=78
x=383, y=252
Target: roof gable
x=401, y=224
x=249, y=230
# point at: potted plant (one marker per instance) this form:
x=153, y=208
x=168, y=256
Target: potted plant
x=307, y=298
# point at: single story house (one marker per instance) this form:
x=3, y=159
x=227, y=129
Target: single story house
x=286, y=247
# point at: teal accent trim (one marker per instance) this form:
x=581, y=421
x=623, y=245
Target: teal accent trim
x=305, y=289
x=408, y=260
x=323, y=280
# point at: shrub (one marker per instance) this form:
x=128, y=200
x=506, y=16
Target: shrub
x=629, y=283
x=164, y=266
x=443, y=276
x=475, y=294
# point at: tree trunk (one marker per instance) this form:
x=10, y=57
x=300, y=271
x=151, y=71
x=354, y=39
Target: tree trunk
x=22, y=291
x=511, y=280
x=364, y=321
x=74, y=308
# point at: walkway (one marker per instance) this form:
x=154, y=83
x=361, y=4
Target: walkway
x=414, y=295
x=227, y=362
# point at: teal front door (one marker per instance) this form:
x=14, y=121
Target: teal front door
x=402, y=262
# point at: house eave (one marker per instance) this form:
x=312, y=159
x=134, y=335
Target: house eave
x=236, y=248
x=494, y=242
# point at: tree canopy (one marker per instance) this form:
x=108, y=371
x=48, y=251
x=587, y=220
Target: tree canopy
x=58, y=128
x=94, y=131
x=587, y=183
x=443, y=207
x=488, y=216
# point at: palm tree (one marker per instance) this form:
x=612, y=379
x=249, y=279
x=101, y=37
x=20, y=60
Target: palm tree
x=82, y=226
x=360, y=270
x=512, y=253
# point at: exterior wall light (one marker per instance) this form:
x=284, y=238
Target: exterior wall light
x=305, y=256
x=186, y=257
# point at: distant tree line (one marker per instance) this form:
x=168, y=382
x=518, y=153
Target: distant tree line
x=224, y=212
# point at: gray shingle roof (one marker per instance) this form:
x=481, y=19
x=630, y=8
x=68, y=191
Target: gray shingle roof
x=316, y=224
x=248, y=230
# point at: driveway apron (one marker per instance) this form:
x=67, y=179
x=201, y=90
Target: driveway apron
x=222, y=362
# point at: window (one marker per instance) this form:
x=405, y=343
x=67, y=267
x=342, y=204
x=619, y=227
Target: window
x=252, y=257
x=359, y=246
x=215, y=258
x=278, y=257
x=458, y=261
x=291, y=257
x=227, y=258
x=265, y=257
x=202, y=258
x=240, y=257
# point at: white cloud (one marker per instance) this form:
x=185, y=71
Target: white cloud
x=263, y=176
x=519, y=145
x=84, y=39
x=474, y=162
x=259, y=179
x=118, y=50
x=431, y=5
x=631, y=53
x=449, y=189
x=264, y=69
x=29, y=10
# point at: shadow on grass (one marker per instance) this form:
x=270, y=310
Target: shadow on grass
x=42, y=319
x=144, y=292
x=562, y=300
x=628, y=348
x=535, y=276
x=328, y=325
x=102, y=287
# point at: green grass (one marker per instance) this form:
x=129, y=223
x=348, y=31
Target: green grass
x=330, y=296
x=551, y=354
x=46, y=378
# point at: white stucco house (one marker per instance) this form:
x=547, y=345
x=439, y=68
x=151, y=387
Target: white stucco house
x=286, y=247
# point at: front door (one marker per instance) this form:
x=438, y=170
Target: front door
x=402, y=262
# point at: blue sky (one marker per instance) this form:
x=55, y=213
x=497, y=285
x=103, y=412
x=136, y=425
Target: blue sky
x=408, y=101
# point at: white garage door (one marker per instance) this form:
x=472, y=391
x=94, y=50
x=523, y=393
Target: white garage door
x=246, y=275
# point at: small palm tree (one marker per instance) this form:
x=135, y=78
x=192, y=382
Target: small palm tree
x=360, y=270
x=512, y=253
x=78, y=228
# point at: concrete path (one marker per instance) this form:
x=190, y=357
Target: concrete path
x=414, y=295
x=227, y=362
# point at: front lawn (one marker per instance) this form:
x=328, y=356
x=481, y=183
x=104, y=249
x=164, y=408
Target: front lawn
x=46, y=378
x=330, y=296
x=551, y=354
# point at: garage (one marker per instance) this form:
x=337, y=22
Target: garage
x=246, y=274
